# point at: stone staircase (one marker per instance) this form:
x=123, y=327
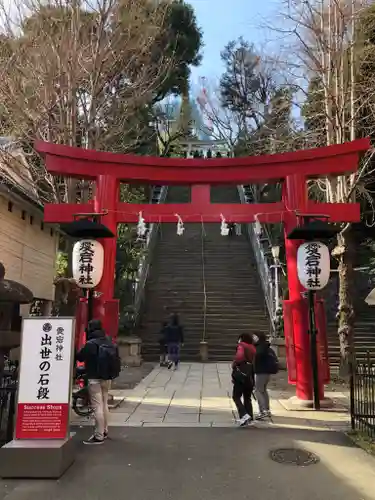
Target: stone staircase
x=210, y=280
x=364, y=339
x=364, y=326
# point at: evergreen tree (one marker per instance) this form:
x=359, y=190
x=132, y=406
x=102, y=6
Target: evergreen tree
x=314, y=114
x=185, y=123
x=242, y=86
x=182, y=40
x=278, y=122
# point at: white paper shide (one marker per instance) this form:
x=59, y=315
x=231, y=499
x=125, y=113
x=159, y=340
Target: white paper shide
x=46, y=360
x=88, y=262
x=313, y=265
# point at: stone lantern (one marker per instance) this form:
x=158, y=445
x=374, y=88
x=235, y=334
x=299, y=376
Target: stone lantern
x=12, y=295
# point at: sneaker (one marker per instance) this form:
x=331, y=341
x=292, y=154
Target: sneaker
x=93, y=440
x=170, y=364
x=245, y=420
x=105, y=434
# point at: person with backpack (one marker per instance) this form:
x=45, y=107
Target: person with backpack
x=174, y=337
x=243, y=379
x=265, y=365
x=102, y=364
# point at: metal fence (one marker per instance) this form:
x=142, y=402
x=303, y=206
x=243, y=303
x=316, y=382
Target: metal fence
x=362, y=397
x=261, y=261
x=144, y=265
x=8, y=392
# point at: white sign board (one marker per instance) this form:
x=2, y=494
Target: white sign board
x=45, y=378
x=313, y=265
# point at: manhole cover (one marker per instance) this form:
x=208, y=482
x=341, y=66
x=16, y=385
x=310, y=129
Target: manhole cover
x=293, y=456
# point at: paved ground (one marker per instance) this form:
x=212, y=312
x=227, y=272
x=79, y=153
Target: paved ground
x=199, y=395
x=131, y=376
x=208, y=464
x=174, y=437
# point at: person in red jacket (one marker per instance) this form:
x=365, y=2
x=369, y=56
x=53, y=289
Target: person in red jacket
x=243, y=378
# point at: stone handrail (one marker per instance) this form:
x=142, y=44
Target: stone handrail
x=263, y=268
x=144, y=265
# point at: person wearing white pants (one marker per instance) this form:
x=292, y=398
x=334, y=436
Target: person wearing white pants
x=98, y=383
x=99, y=390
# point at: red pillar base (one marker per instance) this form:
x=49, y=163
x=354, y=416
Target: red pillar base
x=297, y=343
x=295, y=404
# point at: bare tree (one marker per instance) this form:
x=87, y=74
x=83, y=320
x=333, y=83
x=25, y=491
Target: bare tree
x=79, y=72
x=327, y=51
x=220, y=122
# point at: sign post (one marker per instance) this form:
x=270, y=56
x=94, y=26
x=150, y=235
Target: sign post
x=42, y=445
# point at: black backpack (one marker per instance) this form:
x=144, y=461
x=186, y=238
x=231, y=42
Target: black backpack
x=272, y=362
x=109, y=362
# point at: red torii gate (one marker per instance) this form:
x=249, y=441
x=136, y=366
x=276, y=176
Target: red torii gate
x=108, y=170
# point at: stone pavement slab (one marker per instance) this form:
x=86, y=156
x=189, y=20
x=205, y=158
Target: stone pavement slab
x=200, y=395
x=187, y=463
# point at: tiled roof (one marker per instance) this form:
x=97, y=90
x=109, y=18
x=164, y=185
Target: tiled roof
x=15, y=170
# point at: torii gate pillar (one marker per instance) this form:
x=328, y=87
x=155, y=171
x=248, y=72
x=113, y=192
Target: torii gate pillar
x=106, y=196
x=296, y=199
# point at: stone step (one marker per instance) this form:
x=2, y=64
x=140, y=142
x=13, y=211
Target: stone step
x=253, y=303
x=221, y=292
x=196, y=319
x=360, y=339
x=358, y=348
x=152, y=336
x=241, y=318
x=214, y=331
x=247, y=303
x=221, y=289
x=172, y=273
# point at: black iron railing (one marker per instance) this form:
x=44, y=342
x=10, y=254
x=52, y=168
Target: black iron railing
x=362, y=397
x=8, y=392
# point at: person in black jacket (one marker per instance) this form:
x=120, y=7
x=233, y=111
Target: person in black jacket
x=98, y=388
x=262, y=369
x=174, y=336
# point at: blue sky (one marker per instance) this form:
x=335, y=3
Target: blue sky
x=225, y=20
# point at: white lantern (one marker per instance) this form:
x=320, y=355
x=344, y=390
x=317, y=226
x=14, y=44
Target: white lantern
x=88, y=262
x=313, y=265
